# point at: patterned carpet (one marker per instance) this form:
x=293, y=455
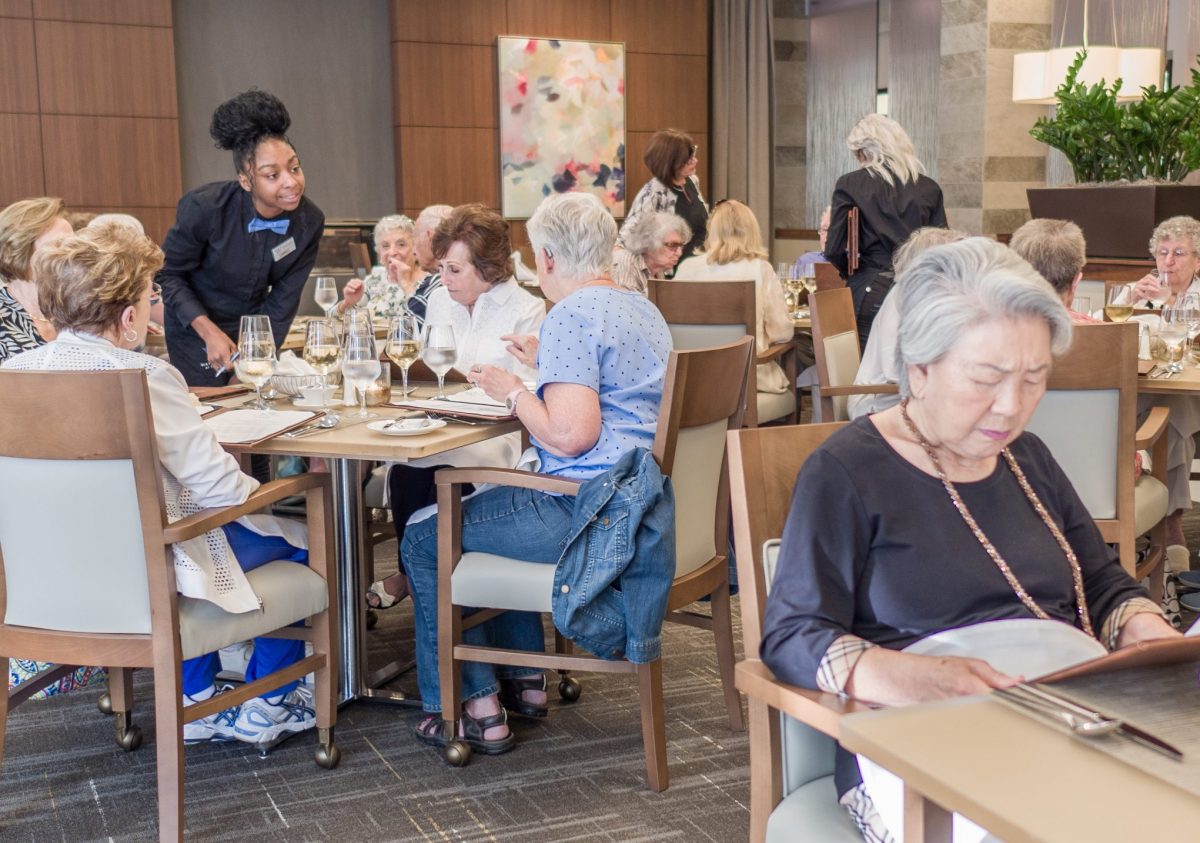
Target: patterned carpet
x=578, y=775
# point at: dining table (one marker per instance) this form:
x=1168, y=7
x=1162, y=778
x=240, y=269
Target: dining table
x=346, y=449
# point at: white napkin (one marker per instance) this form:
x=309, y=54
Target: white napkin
x=290, y=364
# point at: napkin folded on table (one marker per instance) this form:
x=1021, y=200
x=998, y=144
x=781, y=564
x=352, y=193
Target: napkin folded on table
x=290, y=364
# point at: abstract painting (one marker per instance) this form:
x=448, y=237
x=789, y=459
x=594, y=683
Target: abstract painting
x=562, y=122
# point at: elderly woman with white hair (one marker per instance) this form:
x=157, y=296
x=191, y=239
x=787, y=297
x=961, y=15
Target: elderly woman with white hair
x=388, y=286
x=653, y=244
x=988, y=529
x=601, y=360
x=893, y=197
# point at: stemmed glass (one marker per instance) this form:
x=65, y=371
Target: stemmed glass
x=782, y=271
x=439, y=353
x=360, y=366
x=403, y=344
x=1173, y=330
x=1189, y=303
x=325, y=294
x=256, y=355
x=323, y=352
x=1119, y=306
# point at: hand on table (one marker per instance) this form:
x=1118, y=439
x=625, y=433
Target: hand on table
x=1145, y=626
x=493, y=380
x=523, y=347
x=894, y=678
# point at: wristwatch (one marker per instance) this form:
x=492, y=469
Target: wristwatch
x=510, y=400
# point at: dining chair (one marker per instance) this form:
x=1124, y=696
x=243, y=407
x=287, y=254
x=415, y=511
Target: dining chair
x=702, y=399
x=360, y=259
x=87, y=573
x=703, y=314
x=793, y=731
x=1088, y=419
x=837, y=352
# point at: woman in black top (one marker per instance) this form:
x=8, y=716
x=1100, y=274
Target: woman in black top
x=239, y=247
x=671, y=158
x=893, y=198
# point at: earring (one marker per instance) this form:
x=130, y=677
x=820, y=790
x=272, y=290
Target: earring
x=130, y=335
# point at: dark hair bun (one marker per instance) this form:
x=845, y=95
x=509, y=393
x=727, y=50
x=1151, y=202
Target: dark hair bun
x=246, y=119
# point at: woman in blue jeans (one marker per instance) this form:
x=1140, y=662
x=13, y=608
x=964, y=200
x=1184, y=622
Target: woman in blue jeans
x=601, y=358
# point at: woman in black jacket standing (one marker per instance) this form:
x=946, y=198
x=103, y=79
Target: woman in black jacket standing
x=239, y=247
x=894, y=198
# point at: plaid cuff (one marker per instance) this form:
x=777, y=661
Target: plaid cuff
x=1117, y=617
x=838, y=663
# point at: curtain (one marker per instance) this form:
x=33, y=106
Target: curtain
x=742, y=97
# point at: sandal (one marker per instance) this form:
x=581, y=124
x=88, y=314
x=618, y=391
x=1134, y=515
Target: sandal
x=431, y=731
x=378, y=597
x=512, y=695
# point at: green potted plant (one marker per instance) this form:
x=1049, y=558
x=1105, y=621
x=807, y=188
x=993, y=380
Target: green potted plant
x=1127, y=157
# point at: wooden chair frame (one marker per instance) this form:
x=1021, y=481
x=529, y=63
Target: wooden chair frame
x=695, y=393
x=360, y=258
x=763, y=465
x=116, y=424
x=725, y=303
x=832, y=313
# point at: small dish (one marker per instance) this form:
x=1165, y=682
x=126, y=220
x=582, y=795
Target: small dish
x=428, y=426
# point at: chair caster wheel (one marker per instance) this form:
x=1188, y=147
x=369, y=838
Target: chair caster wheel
x=372, y=618
x=328, y=757
x=130, y=739
x=457, y=753
x=105, y=703
x=569, y=689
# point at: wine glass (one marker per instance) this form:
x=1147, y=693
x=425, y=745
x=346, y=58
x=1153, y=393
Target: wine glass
x=256, y=355
x=360, y=366
x=1119, y=305
x=323, y=352
x=439, y=353
x=782, y=271
x=403, y=344
x=1173, y=330
x=1189, y=303
x=326, y=294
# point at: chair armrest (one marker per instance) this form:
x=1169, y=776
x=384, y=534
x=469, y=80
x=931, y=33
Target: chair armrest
x=508, y=477
x=208, y=519
x=817, y=709
x=774, y=352
x=860, y=389
x=1151, y=429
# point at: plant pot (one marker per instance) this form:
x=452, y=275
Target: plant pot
x=1117, y=220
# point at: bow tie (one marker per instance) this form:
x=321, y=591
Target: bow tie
x=259, y=224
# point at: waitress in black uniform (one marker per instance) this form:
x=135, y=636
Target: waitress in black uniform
x=239, y=247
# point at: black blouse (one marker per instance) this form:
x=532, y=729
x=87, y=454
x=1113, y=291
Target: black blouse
x=689, y=206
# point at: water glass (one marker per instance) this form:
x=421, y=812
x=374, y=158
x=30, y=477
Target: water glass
x=361, y=367
x=325, y=294
x=256, y=355
x=1173, y=330
x=440, y=353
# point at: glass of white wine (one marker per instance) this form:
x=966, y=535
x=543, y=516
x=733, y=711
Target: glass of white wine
x=439, y=353
x=256, y=355
x=403, y=345
x=1119, y=305
x=361, y=366
x=326, y=294
x=323, y=352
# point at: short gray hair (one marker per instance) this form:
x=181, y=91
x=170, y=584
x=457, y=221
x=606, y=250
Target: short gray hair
x=579, y=232
x=1176, y=228
x=1055, y=248
x=431, y=217
x=923, y=238
x=648, y=231
x=390, y=223
x=951, y=289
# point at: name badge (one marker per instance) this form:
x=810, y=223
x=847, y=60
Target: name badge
x=284, y=249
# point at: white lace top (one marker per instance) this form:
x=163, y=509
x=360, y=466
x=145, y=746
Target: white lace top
x=196, y=472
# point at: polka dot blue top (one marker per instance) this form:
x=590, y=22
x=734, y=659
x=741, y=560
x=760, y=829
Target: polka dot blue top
x=616, y=342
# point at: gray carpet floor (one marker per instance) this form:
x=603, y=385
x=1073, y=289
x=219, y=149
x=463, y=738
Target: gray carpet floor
x=577, y=775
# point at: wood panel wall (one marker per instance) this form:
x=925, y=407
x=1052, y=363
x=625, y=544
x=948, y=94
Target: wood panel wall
x=88, y=108
x=444, y=85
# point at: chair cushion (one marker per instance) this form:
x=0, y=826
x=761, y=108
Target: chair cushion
x=497, y=582
x=289, y=592
x=812, y=812
x=1149, y=503
x=775, y=405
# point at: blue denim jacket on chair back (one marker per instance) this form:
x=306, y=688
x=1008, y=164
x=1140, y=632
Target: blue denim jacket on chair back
x=612, y=581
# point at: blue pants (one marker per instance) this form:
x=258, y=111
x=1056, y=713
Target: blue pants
x=270, y=654
x=519, y=523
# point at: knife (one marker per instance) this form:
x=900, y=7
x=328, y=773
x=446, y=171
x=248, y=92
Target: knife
x=1128, y=730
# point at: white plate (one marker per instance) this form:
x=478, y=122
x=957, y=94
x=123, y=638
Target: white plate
x=430, y=426
x=1027, y=647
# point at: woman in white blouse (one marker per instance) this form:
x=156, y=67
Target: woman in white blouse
x=733, y=251
x=95, y=288
x=487, y=308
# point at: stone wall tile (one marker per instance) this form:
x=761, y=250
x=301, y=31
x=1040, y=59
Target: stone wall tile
x=1019, y=36
x=1015, y=168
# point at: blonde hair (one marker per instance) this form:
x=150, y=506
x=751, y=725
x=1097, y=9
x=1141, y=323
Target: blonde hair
x=85, y=281
x=22, y=223
x=883, y=147
x=733, y=234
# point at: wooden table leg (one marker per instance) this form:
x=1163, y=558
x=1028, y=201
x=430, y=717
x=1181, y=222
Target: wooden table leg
x=925, y=822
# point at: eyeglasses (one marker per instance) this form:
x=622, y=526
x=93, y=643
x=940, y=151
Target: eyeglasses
x=695, y=149
x=673, y=246
x=155, y=293
x=1178, y=253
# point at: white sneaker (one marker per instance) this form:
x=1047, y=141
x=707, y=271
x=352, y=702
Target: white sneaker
x=264, y=723
x=215, y=727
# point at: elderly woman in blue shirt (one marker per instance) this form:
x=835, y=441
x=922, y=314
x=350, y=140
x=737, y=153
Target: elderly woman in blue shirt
x=601, y=359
